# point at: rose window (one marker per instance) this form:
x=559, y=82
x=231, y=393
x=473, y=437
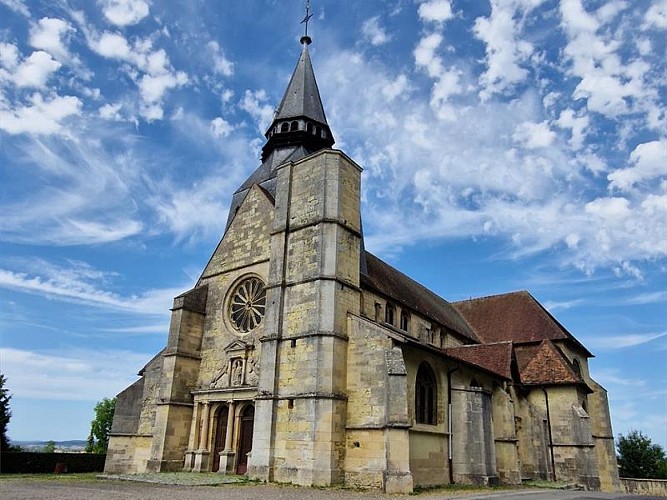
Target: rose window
x=247, y=305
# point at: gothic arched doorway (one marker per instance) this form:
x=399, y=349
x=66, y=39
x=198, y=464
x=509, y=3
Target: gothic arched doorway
x=222, y=416
x=245, y=438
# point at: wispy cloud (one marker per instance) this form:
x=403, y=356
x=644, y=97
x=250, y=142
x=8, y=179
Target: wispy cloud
x=568, y=304
x=649, y=298
x=82, y=284
x=78, y=375
x=614, y=342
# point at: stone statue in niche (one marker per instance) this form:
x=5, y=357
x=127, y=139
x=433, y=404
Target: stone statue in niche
x=237, y=372
x=221, y=378
x=252, y=370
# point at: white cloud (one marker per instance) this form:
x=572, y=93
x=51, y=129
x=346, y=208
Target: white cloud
x=125, y=12
x=220, y=127
x=256, y=104
x=17, y=6
x=610, y=85
x=9, y=57
x=221, y=65
x=195, y=211
x=435, y=10
x=375, y=33
x=609, y=208
x=505, y=51
x=41, y=117
x=656, y=15
x=153, y=87
x=534, y=135
x=578, y=123
x=48, y=34
x=114, y=45
x=111, y=111
x=35, y=70
x=648, y=160
x=157, y=75
x=447, y=80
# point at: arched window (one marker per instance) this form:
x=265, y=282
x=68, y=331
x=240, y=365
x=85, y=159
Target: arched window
x=309, y=128
x=577, y=367
x=405, y=321
x=284, y=127
x=294, y=126
x=426, y=396
x=474, y=383
x=389, y=314
x=318, y=131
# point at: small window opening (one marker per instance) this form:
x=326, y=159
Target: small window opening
x=426, y=395
x=293, y=343
x=389, y=314
x=290, y=403
x=405, y=321
x=294, y=126
x=284, y=127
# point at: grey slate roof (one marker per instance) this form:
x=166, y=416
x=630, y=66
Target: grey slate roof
x=302, y=97
x=401, y=289
x=301, y=100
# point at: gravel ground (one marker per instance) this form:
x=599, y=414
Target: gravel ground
x=88, y=488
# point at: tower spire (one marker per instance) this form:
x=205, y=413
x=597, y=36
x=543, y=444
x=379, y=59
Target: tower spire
x=305, y=39
x=299, y=121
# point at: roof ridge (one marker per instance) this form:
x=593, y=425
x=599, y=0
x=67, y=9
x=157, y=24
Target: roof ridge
x=496, y=295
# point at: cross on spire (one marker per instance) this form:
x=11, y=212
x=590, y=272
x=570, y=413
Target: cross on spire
x=305, y=39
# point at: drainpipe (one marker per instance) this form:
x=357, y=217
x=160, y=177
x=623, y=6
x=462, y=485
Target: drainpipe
x=450, y=447
x=551, y=441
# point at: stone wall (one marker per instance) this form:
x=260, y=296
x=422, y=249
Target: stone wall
x=648, y=487
x=505, y=438
x=313, y=285
x=377, y=444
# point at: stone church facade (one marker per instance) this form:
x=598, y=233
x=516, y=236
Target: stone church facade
x=300, y=357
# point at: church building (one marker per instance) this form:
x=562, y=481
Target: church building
x=299, y=357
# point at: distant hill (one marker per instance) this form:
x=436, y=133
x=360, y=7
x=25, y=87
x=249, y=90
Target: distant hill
x=75, y=444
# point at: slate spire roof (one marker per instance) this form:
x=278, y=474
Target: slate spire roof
x=302, y=97
x=300, y=118
x=299, y=129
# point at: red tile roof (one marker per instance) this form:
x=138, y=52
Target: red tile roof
x=515, y=317
x=494, y=358
x=544, y=364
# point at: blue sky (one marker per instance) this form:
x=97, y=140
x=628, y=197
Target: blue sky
x=506, y=145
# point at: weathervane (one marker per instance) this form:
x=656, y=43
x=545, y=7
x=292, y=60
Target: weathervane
x=305, y=39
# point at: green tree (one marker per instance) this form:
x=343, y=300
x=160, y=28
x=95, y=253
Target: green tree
x=5, y=413
x=639, y=458
x=98, y=440
x=50, y=447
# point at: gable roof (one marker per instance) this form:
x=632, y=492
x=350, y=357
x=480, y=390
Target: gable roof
x=544, y=364
x=517, y=317
x=395, y=285
x=494, y=358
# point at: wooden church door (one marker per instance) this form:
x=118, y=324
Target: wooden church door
x=245, y=438
x=220, y=436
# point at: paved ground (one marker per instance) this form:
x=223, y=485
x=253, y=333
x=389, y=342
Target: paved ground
x=43, y=489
